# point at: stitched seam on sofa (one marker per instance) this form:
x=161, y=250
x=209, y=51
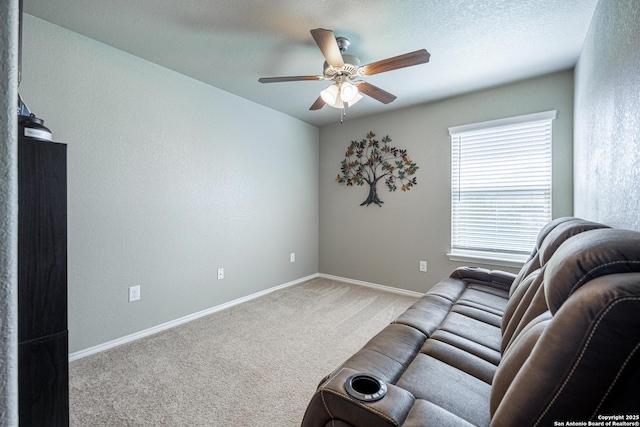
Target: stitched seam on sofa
x=429, y=309
x=325, y=405
x=467, y=350
x=483, y=289
x=587, y=276
x=496, y=311
x=368, y=408
x=584, y=348
x=444, y=297
x=331, y=376
x=483, y=307
x=411, y=410
x=393, y=359
x=396, y=322
x=533, y=322
x=428, y=313
x=615, y=379
x=476, y=318
x=469, y=338
x=489, y=290
x=438, y=358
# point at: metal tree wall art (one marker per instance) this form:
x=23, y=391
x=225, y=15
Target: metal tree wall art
x=373, y=161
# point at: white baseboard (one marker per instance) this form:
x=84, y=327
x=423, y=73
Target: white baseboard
x=137, y=335
x=372, y=285
x=159, y=328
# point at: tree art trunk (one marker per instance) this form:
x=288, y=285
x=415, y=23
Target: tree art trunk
x=373, y=194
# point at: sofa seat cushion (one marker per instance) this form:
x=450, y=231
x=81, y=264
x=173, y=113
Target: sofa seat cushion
x=460, y=359
x=426, y=314
x=435, y=381
x=473, y=330
x=467, y=319
x=389, y=353
x=424, y=413
x=490, y=355
x=450, y=289
x=478, y=314
x=488, y=298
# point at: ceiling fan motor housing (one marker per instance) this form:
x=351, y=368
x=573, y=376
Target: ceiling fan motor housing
x=343, y=43
x=349, y=69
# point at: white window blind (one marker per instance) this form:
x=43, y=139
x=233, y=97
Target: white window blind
x=500, y=186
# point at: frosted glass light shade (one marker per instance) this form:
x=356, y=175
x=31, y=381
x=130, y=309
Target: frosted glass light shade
x=355, y=99
x=348, y=92
x=330, y=95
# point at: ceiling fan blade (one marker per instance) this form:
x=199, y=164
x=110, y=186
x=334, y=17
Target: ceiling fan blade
x=318, y=104
x=326, y=41
x=375, y=92
x=288, y=79
x=400, y=61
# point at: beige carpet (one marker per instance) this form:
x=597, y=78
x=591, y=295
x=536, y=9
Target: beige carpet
x=254, y=364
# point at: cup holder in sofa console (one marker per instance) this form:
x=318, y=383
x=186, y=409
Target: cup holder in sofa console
x=365, y=387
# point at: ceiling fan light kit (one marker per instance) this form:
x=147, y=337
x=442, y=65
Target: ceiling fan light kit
x=340, y=93
x=344, y=69
x=330, y=95
x=348, y=91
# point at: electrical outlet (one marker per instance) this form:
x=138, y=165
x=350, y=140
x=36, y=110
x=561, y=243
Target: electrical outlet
x=134, y=293
x=423, y=266
x=292, y=257
x=220, y=273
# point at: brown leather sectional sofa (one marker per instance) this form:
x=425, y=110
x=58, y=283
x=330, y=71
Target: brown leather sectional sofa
x=558, y=343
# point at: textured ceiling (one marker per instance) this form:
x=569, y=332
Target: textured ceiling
x=231, y=43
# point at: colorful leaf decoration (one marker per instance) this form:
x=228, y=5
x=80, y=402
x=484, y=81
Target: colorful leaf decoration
x=373, y=162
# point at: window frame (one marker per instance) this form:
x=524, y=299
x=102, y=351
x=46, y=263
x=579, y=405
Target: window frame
x=488, y=257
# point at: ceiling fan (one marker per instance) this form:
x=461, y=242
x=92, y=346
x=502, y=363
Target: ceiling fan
x=344, y=70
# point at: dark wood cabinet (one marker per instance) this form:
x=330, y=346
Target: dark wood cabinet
x=43, y=361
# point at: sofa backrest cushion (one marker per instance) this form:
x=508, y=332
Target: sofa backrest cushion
x=573, y=361
x=524, y=305
x=533, y=263
x=561, y=234
x=599, y=253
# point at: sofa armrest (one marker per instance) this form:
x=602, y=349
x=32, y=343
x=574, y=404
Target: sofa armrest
x=502, y=277
x=498, y=278
x=332, y=403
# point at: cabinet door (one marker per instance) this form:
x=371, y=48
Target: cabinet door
x=43, y=378
x=43, y=361
x=42, y=239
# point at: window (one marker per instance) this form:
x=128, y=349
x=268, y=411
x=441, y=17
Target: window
x=500, y=188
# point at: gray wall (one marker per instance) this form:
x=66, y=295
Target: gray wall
x=8, y=213
x=607, y=117
x=168, y=179
x=384, y=245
